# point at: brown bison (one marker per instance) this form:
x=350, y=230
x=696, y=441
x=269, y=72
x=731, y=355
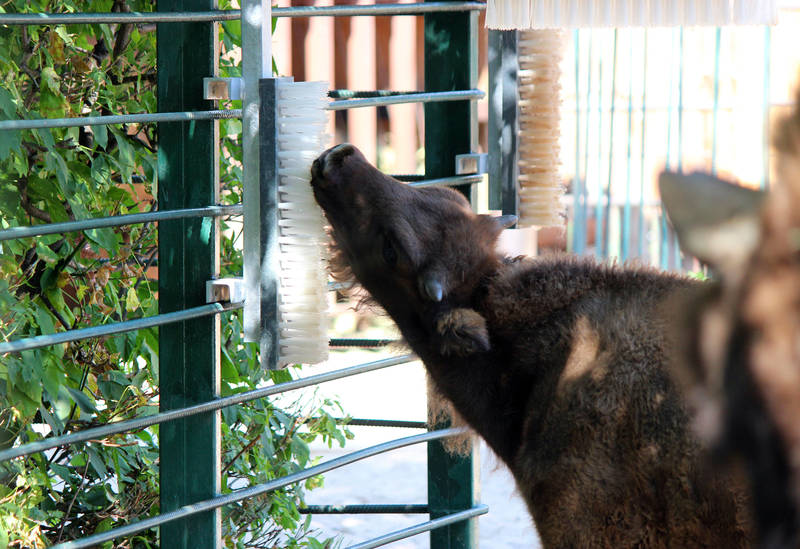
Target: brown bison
x=558, y=363
x=740, y=364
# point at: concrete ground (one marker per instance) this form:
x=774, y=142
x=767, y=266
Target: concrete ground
x=400, y=476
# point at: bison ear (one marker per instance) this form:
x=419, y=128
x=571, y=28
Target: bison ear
x=716, y=221
x=462, y=332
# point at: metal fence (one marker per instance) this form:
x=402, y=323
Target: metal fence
x=189, y=326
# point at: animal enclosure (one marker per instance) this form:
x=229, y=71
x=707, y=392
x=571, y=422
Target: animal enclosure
x=199, y=385
x=634, y=100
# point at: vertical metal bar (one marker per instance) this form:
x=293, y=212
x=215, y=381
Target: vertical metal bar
x=715, y=115
x=584, y=186
x=188, y=257
x=675, y=246
x=503, y=121
x=578, y=192
x=598, y=207
x=640, y=243
x=266, y=226
x=451, y=63
x=626, y=217
x=665, y=240
x=609, y=187
x=256, y=64
x=766, y=108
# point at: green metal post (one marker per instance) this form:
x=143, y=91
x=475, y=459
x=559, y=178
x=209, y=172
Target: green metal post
x=187, y=258
x=451, y=54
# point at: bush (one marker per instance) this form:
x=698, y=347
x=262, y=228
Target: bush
x=59, y=282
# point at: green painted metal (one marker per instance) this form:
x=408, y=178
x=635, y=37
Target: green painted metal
x=189, y=350
x=451, y=55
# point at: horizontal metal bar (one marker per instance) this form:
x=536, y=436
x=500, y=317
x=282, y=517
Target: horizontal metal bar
x=423, y=527
x=245, y=493
x=118, y=119
x=39, y=341
x=340, y=286
x=399, y=423
x=112, y=18
x=408, y=178
x=217, y=404
x=360, y=342
x=230, y=15
x=448, y=181
x=425, y=97
x=117, y=221
x=343, y=104
x=362, y=94
x=378, y=9
x=366, y=509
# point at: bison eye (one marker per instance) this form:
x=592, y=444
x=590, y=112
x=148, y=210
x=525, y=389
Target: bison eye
x=389, y=252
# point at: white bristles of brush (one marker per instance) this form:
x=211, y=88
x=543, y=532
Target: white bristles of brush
x=538, y=81
x=545, y=14
x=303, y=280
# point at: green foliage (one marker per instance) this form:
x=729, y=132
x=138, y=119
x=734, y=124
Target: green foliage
x=55, y=283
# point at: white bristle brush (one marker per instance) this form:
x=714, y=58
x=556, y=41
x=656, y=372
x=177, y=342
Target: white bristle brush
x=303, y=305
x=538, y=81
x=544, y=14
x=539, y=52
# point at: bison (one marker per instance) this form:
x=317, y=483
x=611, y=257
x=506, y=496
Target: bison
x=558, y=363
x=740, y=336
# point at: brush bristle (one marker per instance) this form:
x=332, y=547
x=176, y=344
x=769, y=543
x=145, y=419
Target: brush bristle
x=302, y=310
x=546, y=14
x=540, y=186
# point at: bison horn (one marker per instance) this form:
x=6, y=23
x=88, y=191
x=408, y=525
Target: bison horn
x=432, y=288
x=499, y=222
x=506, y=221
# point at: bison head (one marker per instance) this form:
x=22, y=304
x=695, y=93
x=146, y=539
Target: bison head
x=421, y=253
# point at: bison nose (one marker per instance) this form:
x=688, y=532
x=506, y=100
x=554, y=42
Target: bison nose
x=331, y=159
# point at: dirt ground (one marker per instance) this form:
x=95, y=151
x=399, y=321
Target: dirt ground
x=400, y=476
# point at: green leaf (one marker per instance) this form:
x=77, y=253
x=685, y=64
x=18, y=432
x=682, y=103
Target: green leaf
x=56, y=163
x=25, y=399
x=7, y=105
x=97, y=463
x=100, y=137
x=300, y=450
x=131, y=300
x=84, y=402
x=52, y=105
x=104, y=525
x=53, y=421
x=43, y=316
x=3, y=537
x=52, y=379
x=10, y=140
x=64, y=35
x=51, y=80
x=106, y=238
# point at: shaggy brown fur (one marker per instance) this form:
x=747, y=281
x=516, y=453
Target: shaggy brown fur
x=557, y=363
x=743, y=333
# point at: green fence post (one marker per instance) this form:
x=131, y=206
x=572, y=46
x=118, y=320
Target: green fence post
x=187, y=258
x=451, y=55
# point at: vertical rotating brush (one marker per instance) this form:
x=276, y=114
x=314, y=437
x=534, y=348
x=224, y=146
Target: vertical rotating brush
x=540, y=186
x=302, y=309
x=540, y=52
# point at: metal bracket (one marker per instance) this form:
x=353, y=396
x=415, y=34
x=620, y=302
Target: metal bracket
x=471, y=163
x=222, y=88
x=225, y=289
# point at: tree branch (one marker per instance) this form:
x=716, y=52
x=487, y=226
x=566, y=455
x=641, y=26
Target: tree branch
x=25, y=202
